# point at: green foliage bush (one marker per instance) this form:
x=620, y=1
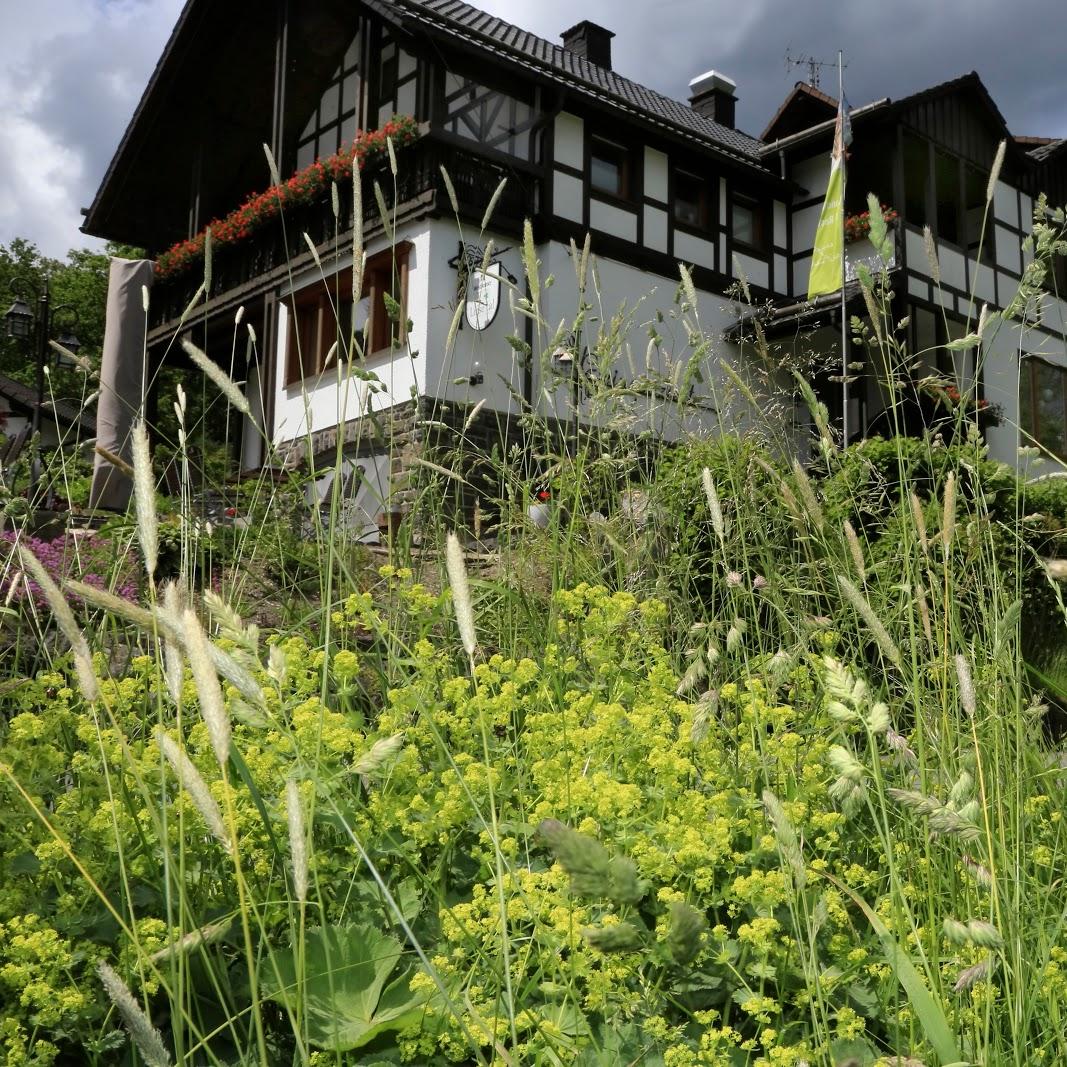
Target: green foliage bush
x=601, y=864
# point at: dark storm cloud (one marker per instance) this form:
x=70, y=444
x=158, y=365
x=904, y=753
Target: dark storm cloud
x=72, y=71
x=86, y=103
x=891, y=49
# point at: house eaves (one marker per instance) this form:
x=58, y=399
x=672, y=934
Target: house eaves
x=781, y=144
x=24, y=398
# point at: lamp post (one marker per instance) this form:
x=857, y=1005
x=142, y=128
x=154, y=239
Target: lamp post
x=24, y=324
x=567, y=368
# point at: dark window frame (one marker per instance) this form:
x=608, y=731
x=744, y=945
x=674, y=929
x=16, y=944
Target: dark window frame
x=488, y=95
x=761, y=246
x=620, y=155
x=1029, y=417
x=705, y=202
x=381, y=71
x=347, y=111
x=960, y=240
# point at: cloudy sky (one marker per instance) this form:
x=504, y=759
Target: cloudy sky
x=71, y=71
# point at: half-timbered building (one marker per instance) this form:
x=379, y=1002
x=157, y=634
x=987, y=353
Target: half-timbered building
x=927, y=158
x=654, y=181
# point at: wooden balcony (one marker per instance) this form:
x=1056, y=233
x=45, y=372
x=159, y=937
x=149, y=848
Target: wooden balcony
x=241, y=272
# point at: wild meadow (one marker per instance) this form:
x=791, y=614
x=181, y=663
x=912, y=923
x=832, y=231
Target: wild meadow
x=747, y=751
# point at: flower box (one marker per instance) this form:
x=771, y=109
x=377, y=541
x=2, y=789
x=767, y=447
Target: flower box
x=858, y=227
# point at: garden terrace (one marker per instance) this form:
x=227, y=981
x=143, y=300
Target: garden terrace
x=244, y=271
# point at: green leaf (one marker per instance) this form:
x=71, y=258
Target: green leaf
x=618, y=1046
x=853, y=1051
x=879, y=232
x=929, y=1013
x=962, y=344
x=344, y=993
x=593, y=872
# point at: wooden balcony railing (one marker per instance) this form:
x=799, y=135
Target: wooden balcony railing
x=475, y=178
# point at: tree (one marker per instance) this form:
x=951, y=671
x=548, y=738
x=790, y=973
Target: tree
x=79, y=281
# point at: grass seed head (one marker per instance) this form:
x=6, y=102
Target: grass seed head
x=461, y=596
x=190, y=779
x=212, y=708
x=83, y=661
x=298, y=844
x=685, y=932
x=874, y=624
x=378, y=756
x=714, y=507
x=144, y=497
x=222, y=380
x=967, y=694
x=144, y=1035
x=786, y=836
x=971, y=976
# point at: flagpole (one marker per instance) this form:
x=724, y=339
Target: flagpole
x=844, y=276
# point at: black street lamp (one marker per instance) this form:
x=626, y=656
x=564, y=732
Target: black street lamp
x=21, y=324
x=568, y=368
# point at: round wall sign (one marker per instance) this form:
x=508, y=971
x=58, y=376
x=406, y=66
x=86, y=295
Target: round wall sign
x=483, y=296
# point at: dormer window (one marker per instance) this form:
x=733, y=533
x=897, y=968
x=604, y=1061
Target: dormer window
x=692, y=200
x=609, y=168
x=748, y=221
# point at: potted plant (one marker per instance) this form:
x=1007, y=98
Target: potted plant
x=858, y=226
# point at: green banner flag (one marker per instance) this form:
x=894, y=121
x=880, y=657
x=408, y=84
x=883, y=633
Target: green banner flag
x=828, y=254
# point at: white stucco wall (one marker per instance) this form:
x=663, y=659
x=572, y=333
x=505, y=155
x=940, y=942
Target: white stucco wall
x=569, y=140
x=486, y=352
x=655, y=174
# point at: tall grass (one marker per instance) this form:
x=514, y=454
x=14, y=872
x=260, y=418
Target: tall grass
x=723, y=667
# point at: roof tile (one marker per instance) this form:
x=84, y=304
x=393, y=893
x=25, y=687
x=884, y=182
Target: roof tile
x=461, y=19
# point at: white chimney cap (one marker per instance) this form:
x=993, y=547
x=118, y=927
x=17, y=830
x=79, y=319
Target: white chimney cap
x=712, y=80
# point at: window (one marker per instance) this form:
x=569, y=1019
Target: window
x=979, y=245
x=947, y=196
x=609, y=168
x=493, y=119
x=929, y=333
x=916, y=179
x=1043, y=404
x=691, y=200
x=1056, y=280
x=385, y=275
x=393, y=80
x=316, y=312
x=748, y=220
x=333, y=121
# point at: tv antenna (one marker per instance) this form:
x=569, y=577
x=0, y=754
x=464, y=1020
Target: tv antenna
x=814, y=66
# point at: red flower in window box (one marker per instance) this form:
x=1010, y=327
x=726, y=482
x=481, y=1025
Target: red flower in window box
x=305, y=187
x=858, y=226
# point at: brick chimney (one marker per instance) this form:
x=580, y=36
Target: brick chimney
x=590, y=41
x=713, y=95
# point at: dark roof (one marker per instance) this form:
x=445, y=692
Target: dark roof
x=25, y=398
x=199, y=53
x=798, y=110
x=1044, y=151
x=458, y=19
x=969, y=82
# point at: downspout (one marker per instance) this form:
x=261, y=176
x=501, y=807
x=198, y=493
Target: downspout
x=546, y=160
